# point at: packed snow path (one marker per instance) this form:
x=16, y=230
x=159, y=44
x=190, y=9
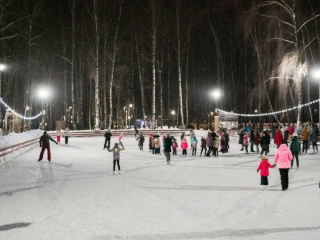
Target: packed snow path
x=76, y=196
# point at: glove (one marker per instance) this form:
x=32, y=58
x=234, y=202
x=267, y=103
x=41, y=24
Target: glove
x=257, y=170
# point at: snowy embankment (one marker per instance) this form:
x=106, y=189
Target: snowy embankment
x=12, y=145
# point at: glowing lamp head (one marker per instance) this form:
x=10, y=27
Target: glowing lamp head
x=43, y=93
x=216, y=94
x=316, y=73
x=2, y=67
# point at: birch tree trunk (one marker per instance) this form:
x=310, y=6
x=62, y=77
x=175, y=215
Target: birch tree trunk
x=96, y=64
x=73, y=49
x=140, y=73
x=153, y=61
x=113, y=62
x=179, y=61
x=187, y=82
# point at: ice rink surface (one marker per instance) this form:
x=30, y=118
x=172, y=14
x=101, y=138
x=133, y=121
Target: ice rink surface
x=76, y=196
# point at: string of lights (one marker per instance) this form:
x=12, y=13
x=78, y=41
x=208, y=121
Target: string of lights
x=270, y=113
x=19, y=115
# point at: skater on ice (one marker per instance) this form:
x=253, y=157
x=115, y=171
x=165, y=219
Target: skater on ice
x=66, y=135
x=45, y=144
x=167, y=147
x=174, y=146
x=120, y=139
x=184, y=146
x=203, y=146
x=140, y=140
x=116, y=156
x=264, y=171
x=194, y=143
x=283, y=160
x=59, y=132
x=295, y=148
x=107, y=140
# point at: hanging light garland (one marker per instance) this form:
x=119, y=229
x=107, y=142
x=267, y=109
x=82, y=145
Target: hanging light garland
x=14, y=112
x=271, y=113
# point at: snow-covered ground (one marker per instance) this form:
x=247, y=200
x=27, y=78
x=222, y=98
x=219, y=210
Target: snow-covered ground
x=76, y=196
x=15, y=138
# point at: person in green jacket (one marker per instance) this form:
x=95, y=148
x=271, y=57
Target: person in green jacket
x=295, y=148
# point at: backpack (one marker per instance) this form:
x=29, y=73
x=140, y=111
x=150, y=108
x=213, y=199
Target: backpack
x=295, y=145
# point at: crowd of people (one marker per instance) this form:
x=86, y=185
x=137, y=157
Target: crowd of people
x=286, y=139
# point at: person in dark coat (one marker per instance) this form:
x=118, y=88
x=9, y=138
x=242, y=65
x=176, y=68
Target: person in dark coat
x=209, y=141
x=167, y=147
x=182, y=136
x=241, y=135
x=136, y=132
x=257, y=138
x=45, y=144
x=203, y=146
x=314, y=140
x=107, y=140
x=264, y=143
x=286, y=136
x=140, y=140
x=295, y=148
x=251, y=140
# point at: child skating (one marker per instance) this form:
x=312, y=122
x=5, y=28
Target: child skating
x=116, y=156
x=246, y=142
x=194, y=143
x=174, y=147
x=264, y=171
x=184, y=146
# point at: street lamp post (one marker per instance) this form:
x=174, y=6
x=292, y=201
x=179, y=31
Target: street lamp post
x=2, y=67
x=43, y=93
x=173, y=113
x=316, y=74
x=128, y=113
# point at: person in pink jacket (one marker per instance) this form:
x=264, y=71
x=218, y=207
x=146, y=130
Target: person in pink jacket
x=184, y=146
x=264, y=170
x=283, y=160
x=120, y=139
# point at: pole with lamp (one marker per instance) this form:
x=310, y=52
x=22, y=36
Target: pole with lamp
x=172, y=114
x=217, y=94
x=43, y=93
x=316, y=75
x=130, y=115
x=2, y=68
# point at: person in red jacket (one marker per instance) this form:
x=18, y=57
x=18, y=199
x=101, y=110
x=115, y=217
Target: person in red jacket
x=279, y=138
x=264, y=170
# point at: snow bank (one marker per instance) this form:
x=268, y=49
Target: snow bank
x=16, y=138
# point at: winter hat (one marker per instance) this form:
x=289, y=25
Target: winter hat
x=265, y=158
x=295, y=134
